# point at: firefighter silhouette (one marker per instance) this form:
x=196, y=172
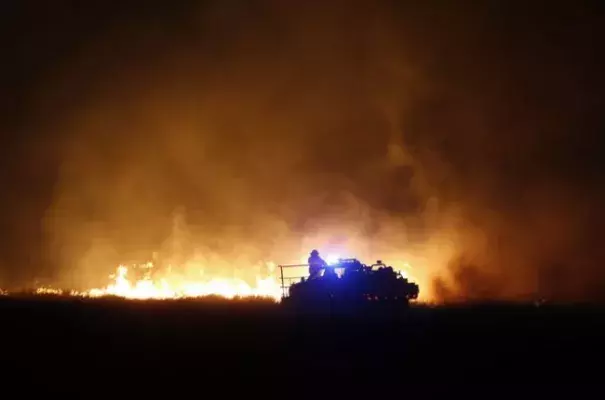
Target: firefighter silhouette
x=316, y=263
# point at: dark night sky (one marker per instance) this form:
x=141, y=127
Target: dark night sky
x=265, y=121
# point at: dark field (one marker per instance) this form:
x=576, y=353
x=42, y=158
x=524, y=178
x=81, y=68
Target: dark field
x=172, y=349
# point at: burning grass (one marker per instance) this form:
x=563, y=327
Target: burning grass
x=208, y=301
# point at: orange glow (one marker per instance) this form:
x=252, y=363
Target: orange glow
x=168, y=285
x=169, y=288
x=48, y=290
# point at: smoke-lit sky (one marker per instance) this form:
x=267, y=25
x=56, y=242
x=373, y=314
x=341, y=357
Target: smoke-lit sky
x=465, y=138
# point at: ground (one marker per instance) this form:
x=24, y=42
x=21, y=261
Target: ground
x=100, y=348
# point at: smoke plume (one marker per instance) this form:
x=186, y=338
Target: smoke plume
x=464, y=141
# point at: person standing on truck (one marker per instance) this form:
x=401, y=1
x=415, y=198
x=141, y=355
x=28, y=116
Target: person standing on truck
x=316, y=263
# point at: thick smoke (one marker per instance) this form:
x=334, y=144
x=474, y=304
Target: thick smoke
x=235, y=132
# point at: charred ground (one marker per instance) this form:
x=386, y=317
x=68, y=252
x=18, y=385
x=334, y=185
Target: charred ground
x=110, y=346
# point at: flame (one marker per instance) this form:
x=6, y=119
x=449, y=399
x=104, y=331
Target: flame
x=404, y=272
x=171, y=286
x=166, y=288
x=48, y=290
